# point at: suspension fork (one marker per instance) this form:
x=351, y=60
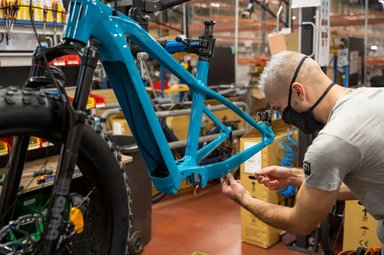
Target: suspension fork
x=53, y=230
x=12, y=178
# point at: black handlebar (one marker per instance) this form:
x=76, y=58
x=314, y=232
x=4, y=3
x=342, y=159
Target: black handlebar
x=141, y=8
x=150, y=6
x=170, y=3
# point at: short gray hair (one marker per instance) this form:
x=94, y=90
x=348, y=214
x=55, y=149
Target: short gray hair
x=279, y=69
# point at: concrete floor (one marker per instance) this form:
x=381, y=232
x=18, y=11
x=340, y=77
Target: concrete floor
x=186, y=225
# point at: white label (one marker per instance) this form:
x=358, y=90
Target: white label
x=254, y=163
x=342, y=57
x=117, y=128
x=29, y=202
x=324, y=34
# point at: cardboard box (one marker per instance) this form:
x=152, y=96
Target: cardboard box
x=253, y=230
x=108, y=94
x=180, y=124
x=277, y=42
x=359, y=227
x=120, y=127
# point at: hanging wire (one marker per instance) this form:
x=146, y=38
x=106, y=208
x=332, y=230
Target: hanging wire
x=208, y=191
x=288, y=145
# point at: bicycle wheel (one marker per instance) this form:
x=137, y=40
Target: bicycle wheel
x=103, y=191
x=157, y=197
x=331, y=230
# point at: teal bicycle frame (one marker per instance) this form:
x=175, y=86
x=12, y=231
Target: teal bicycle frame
x=109, y=31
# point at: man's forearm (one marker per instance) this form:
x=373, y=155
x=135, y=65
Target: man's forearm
x=345, y=193
x=277, y=216
x=296, y=176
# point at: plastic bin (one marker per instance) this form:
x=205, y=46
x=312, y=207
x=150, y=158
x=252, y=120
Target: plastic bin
x=3, y=148
x=34, y=143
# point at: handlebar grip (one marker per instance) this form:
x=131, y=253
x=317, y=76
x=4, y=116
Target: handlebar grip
x=165, y=4
x=208, y=31
x=174, y=46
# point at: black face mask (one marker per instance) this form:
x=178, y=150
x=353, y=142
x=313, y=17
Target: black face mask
x=305, y=121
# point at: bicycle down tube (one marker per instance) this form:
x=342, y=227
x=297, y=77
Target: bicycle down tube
x=95, y=20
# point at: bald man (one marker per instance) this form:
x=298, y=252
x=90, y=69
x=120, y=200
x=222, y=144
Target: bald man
x=345, y=160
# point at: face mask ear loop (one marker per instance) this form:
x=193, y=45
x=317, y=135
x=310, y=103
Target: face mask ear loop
x=294, y=78
x=322, y=96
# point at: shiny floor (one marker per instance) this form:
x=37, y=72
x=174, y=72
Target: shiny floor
x=208, y=225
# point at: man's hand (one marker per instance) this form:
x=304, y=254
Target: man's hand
x=233, y=189
x=277, y=177
x=311, y=204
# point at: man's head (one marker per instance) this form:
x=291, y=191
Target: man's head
x=293, y=85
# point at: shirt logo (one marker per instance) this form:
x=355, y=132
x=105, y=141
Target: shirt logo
x=307, y=168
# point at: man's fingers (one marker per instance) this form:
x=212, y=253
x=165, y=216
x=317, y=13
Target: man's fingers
x=230, y=178
x=263, y=179
x=273, y=184
x=224, y=181
x=269, y=170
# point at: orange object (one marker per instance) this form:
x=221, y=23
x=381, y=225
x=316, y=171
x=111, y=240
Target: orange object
x=32, y=13
x=77, y=218
x=54, y=9
x=4, y=5
x=45, y=13
x=15, y=7
x=63, y=15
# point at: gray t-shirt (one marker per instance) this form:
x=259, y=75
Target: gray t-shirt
x=350, y=149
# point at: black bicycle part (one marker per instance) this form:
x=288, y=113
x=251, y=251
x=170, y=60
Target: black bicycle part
x=9, y=190
x=44, y=116
x=141, y=9
x=65, y=48
x=204, y=47
x=76, y=116
x=158, y=196
x=331, y=230
x=69, y=150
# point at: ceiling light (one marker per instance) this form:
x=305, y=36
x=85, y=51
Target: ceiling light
x=217, y=5
x=293, y=17
x=374, y=47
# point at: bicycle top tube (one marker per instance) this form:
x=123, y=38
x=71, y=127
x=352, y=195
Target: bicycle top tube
x=112, y=33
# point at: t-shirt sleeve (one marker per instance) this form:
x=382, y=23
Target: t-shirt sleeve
x=328, y=160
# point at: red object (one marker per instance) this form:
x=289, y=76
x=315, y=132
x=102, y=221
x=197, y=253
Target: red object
x=99, y=100
x=72, y=60
x=157, y=85
x=67, y=60
x=8, y=141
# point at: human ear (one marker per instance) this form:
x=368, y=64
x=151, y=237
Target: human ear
x=298, y=90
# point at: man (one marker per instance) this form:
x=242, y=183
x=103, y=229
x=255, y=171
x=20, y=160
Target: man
x=345, y=160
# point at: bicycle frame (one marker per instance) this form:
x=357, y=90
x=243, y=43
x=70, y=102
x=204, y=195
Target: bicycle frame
x=109, y=30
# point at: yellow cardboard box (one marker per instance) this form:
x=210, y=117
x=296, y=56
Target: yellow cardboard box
x=359, y=227
x=120, y=127
x=253, y=230
x=180, y=124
